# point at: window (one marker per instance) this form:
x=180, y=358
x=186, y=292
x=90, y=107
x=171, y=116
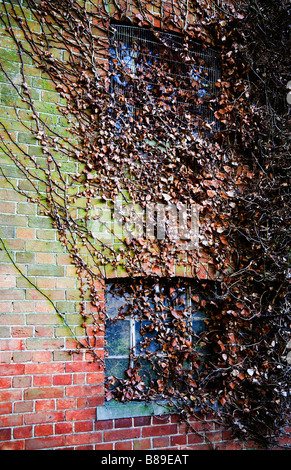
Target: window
x=146, y=321
x=178, y=79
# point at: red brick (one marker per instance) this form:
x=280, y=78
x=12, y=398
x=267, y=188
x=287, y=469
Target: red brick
x=84, y=438
x=229, y=446
x=10, y=395
x=21, y=331
x=5, y=382
x=23, y=407
x=195, y=438
x=178, y=440
x=47, y=442
x=106, y=424
x=44, y=368
x=79, y=379
x=22, y=432
x=83, y=426
x=214, y=436
x=43, y=392
x=167, y=429
x=81, y=367
x=41, y=356
x=5, y=357
x=96, y=401
x=161, y=442
x=11, y=369
x=107, y=446
x=21, y=382
x=65, y=379
x=142, y=421
x=43, y=430
x=63, y=428
x=11, y=420
x=44, y=417
x=22, y=356
x=16, y=445
x=79, y=415
x=85, y=390
x=65, y=403
x=42, y=380
x=44, y=331
x=200, y=447
x=125, y=445
x=5, y=434
x=44, y=405
x=118, y=435
x=5, y=408
x=90, y=447
x=227, y=435
x=203, y=425
x=141, y=444
x=162, y=419
x=123, y=423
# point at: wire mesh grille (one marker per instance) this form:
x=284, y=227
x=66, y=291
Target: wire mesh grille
x=192, y=71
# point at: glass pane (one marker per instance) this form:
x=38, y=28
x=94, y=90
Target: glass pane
x=146, y=334
x=118, y=338
x=198, y=314
x=198, y=326
x=115, y=302
x=116, y=367
x=147, y=372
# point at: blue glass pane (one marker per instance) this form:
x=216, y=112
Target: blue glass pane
x=198, y=326
x=116, y=367
x=115, y=304
x=144, y=334
x=198, y=314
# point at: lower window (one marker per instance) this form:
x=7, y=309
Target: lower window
x=154, y=333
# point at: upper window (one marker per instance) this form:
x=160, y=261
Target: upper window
x=156, y=73
x=153, y=327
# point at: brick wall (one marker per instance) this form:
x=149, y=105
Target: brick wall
x=49, y=395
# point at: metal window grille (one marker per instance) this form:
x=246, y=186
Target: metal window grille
x=194, y=71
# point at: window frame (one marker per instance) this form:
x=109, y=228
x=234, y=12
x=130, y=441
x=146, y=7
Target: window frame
x=133, y=321
x=115, y=409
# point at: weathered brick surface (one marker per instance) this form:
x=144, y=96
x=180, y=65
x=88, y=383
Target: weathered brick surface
x=48, y=396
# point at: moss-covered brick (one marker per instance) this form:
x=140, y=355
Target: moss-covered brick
x=23, y=283
x=11, y=55
x=14, y=220
x=25, y=258
x=25, y=138
x=45, y=270
x=50, y=96
x=7, y=232
x=69, y=308
x=49, y=108
x=39, y=222
x=62, y=332
x=43, y=84
x=45, y=246
x=46, y=234
x=11, y=171
x=43, y=319
x=26, y=208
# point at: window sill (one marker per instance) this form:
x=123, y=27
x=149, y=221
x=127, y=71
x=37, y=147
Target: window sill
x=114, y=409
